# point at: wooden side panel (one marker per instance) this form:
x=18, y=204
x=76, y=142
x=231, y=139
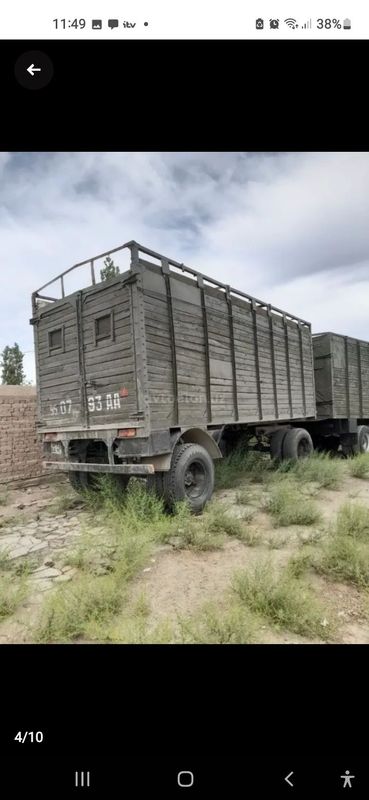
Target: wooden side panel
x=309, y=377
x=364, y=363
x=298, y=409
x=345, y=376
x=341, y=376
x=353, y=377
x=268, y=405
x=59, y=384
x=158, y=351
x=233, y=362
x=187, y=383
x=109, y=362
x=323, y=375
x=281, y=365
x=190, y=353
x=246, y=362
x=220, y=356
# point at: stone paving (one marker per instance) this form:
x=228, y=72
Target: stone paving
x=43, y=543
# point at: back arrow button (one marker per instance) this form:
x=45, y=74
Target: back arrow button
x=288, y=777
x=32, y=69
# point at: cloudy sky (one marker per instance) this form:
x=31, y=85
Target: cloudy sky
x=289, y=228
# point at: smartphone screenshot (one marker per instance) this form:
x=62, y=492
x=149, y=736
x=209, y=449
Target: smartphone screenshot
x=184, y=399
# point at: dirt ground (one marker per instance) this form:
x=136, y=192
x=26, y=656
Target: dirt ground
x=34, y=528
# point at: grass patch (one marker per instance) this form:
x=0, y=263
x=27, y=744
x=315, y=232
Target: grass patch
x=344, y=553
x=320, y=468
x=132, y=627
x=193, y=535
x=212, y=625
x=67, y=613
x=219, y=520
x=243, y=497
x=132, y=630
x=344, y=556
x=288, y=506
x=359, y=466
x=277, y=542
x=241, y=464
x=343, y=559
x=282, y=599
x=12, y=593
x=308, y=538
x=353, y=520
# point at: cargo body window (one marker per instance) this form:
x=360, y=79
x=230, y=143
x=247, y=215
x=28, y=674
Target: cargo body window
x=56, y=340
x=104, y=327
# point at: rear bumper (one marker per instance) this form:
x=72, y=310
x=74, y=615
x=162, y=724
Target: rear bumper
x=117, y=469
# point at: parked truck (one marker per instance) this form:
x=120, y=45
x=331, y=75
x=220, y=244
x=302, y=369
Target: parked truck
x=160, y=370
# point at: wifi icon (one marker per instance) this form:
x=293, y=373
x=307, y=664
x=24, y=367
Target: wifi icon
x=292, y=23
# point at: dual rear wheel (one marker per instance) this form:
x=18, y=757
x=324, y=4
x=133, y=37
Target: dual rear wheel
x=291, y=443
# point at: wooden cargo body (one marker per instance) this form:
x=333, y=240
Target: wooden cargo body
x=341, y=366
x=179, y=350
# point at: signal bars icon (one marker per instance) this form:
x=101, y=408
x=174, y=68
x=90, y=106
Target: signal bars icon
x=307, y=24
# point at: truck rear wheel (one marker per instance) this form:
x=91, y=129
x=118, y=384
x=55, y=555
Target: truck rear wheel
x=276, y=443
x=363, y=438
x=297, y=444
x=190, y=478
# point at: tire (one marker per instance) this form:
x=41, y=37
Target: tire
x=363, y=438
x=276, y=443
x=190, y=478
x=297, y=444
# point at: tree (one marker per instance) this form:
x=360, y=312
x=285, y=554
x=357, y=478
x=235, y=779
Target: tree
x=12, y=365
x=109, y=270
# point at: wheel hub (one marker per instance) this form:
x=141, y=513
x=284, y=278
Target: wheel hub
x=194, y=480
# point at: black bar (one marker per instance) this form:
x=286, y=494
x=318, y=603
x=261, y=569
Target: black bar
x=187, y=776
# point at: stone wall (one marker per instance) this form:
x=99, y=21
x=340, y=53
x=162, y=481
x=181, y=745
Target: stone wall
x=20, y=451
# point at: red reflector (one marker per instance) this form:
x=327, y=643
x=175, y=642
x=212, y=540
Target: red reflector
x=49, y=436
x=125, y=433
x=123, y=392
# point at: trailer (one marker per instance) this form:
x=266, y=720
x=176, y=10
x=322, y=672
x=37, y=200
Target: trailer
x=341, y=365
x=160, y=370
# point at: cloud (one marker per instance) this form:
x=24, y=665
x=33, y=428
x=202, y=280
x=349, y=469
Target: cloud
x=290, y=228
